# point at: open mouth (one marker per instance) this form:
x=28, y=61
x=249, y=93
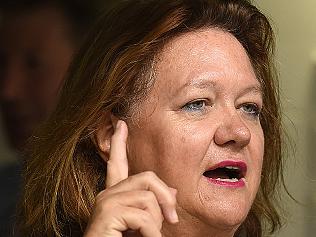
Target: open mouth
x=227, y=172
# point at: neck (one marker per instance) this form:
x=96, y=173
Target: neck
x=179, y=230
x=190, y=227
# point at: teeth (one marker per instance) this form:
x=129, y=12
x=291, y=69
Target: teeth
x=233, y=180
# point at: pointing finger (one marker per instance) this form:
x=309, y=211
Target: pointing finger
x=117, y=165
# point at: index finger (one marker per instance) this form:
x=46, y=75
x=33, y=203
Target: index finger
x=117, y=165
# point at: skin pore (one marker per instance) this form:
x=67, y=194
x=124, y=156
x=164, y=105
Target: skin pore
x=204, y=109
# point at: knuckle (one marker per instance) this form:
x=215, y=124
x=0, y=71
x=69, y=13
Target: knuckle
x=146, y=219
x=99, y=197
x=104, y=201
x=150, y=175
x=169, y=201
x=103, y=194
x=130, y=180
x=106, y=204
x=103, y=206
x=148, y=196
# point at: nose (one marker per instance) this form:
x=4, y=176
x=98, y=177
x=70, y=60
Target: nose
x=11, y=83
x=232, y=131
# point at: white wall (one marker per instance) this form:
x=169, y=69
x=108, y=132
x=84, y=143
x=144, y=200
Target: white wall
x=295, y=25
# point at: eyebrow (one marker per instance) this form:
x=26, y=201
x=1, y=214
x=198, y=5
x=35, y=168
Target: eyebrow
x=199, y=84
x=203, y=84
x=254, y=89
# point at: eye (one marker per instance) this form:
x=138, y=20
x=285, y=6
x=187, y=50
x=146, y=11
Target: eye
x=32, y=62
x=251, y=109
x=195, y=106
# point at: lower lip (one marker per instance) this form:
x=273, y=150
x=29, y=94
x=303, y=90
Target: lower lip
x=240, y=183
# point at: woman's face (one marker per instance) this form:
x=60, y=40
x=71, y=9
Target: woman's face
x=202, y=115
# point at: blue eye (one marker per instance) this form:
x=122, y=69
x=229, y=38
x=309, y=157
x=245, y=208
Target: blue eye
x=195, y=106
x=251, y=109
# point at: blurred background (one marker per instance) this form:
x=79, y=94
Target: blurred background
x=38, y=39
x=294, y=25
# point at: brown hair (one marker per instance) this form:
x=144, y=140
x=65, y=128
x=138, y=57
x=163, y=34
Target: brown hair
x=64, y=172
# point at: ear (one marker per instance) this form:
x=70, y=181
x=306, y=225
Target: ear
x=103, y=134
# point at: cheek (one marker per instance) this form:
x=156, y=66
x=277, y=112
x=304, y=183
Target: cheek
x=256, y=156
x=173, y=151
x=259, y=148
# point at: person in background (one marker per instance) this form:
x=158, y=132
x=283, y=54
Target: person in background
x=37, y=41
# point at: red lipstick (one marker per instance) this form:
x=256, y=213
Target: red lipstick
x=227, y=173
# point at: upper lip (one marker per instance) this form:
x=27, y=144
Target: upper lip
x=240, y=166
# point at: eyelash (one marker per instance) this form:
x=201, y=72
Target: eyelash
x=255, y=109
x=199, y=106
x=250, y=109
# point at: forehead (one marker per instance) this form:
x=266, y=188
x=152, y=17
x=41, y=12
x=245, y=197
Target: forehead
x=206, y=53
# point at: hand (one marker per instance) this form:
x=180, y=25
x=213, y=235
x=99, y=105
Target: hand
x=140, y=202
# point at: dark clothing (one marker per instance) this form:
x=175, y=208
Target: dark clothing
x=10, y=186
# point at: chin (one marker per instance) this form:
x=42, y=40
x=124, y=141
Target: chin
x=226, y=213
x=227, y=207
x=230, y=219
x=224, y=209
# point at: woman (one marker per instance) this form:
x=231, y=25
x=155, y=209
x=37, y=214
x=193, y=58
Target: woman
x=168, y=125
x=37, y=41
x=34, y=58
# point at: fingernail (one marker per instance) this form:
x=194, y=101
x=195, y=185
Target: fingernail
x=173, y=216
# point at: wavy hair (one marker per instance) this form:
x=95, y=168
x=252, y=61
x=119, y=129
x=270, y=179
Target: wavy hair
x=64, y=172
